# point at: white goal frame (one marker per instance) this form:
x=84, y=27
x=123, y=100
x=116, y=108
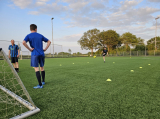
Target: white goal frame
x=30, y=105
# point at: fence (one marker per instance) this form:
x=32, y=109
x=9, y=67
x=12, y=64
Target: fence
x=58, y=51
x=27, y=54
x=137, y=53
x=24, y=53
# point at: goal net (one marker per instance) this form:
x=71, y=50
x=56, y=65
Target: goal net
x=25, y=54
x=15, y=101
x=58, y=51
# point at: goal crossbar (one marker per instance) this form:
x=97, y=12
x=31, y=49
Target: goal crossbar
x=28, y=104
x=26, y=114
x=18, y=98
x=32, y=109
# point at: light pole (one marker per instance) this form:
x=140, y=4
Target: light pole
x=52, y=35
x=156, y=32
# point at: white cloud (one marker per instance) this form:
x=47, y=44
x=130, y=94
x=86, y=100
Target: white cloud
x=50, y=9
x=34, y=12
x=154, y=0
x=97, y=5
x=154, y=27
x=41, y=2
x=22, y=3
x=98, y=13
x=129, y=4
x=76, y=6
x=70, y=38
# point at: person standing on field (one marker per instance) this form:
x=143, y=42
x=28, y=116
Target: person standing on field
x=37, y=53
x=14, y=54
x=104, y=52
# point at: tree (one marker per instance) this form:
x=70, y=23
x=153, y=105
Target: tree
x=99, y=51
x=151, y=47
x=151, y=43
x=140, y=48
x=110, y=38
x=89, y=40
x=55, y=53
x=69, y=50
x=128, y=38
x=123, y=48
x=118, y=44
x=140, y=40
x=101, y=40
x=78, y=53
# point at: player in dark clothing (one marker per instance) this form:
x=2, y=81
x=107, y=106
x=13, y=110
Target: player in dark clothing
x=14, y=54
x=104, y=52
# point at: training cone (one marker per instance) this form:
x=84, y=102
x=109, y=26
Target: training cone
x=132, y=70
x=113, y=62
x=149, y=64
x=73, y=63
x=140, y=67
x=108, y=80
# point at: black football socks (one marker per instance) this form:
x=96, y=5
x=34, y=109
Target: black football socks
x=17, y=69
x=43, y=76
x=38, y=78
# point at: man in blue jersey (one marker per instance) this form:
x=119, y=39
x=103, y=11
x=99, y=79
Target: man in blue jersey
x=37, y=52
x=14, y=54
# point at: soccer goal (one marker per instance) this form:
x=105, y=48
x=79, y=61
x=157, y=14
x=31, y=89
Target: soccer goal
x=15, y=101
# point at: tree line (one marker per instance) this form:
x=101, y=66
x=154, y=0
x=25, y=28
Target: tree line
x=94, y=39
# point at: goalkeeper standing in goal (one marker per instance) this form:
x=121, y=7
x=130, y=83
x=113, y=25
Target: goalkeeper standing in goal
x=104, y=52
x=14, y=54
x=37, y=52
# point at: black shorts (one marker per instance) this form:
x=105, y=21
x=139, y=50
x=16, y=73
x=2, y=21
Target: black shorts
x=104, y=54
x=14, y=59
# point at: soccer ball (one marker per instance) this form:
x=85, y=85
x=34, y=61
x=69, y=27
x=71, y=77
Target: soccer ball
x=94, y=56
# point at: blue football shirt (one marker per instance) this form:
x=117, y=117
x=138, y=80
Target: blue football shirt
x=36, y=41
x=13, y=50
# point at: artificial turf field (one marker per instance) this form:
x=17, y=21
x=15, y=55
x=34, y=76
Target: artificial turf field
x=80, y=90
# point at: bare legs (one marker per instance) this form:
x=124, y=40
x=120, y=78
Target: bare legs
x=37, y=69
x=16, y=65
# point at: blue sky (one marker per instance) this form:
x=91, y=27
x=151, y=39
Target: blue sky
x=74, y=17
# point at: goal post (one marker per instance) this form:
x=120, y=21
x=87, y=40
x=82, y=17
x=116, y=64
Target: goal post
x=15, y=101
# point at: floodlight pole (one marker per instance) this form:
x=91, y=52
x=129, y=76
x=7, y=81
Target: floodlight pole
x=52, y=35
x=62, y=50
x=156, y=32
x=145, y=50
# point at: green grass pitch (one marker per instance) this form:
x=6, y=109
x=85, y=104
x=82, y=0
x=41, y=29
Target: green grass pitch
x=80, y=90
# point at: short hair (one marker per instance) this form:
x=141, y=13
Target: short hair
x=33, y=27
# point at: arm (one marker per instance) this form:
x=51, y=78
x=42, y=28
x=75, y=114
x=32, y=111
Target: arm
x=48, y=44
x=9, y=54
x=25, y=44
x=18, y=53
x=102, y=52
